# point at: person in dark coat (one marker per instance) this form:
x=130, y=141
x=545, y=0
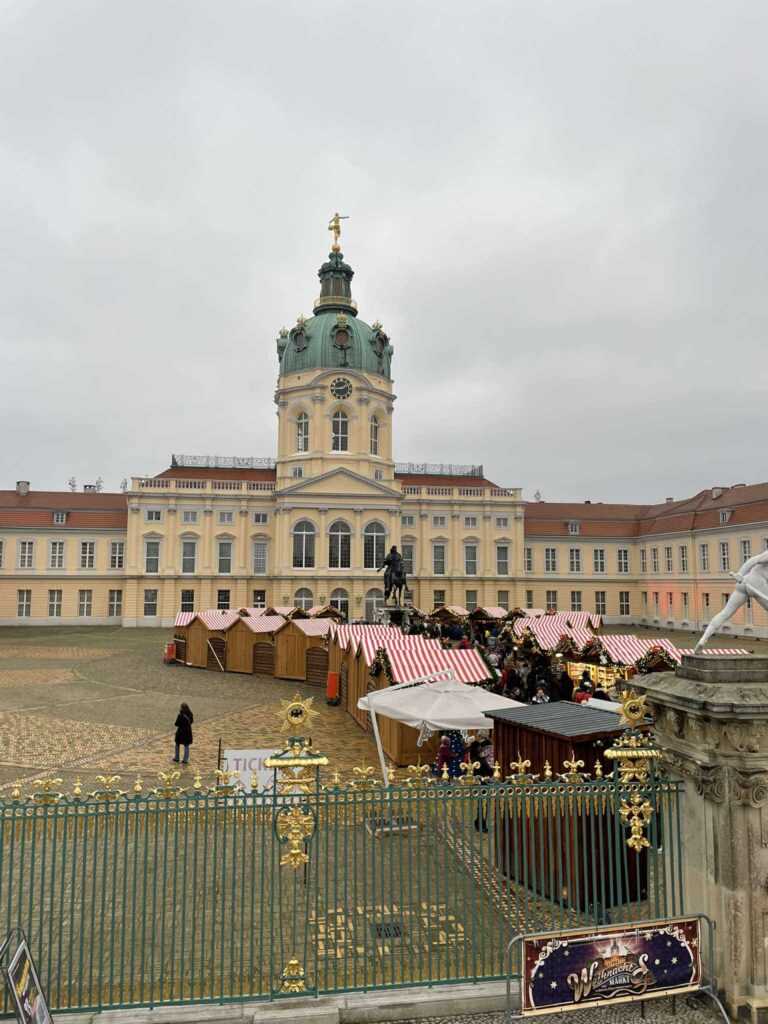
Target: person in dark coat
x=183, y=737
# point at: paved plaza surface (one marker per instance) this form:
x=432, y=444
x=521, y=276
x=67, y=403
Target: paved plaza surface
x=688, y=1010
x=83, y=701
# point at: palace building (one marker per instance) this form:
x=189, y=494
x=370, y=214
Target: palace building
x=311, y=525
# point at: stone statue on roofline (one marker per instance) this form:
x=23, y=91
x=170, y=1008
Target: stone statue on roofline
x=394, y=575
x=751, y=581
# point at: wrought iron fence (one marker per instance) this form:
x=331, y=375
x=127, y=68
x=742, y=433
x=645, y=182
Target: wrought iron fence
x=211, y=894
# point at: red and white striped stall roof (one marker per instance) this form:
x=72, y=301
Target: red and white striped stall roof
x=408, y=663
x=369, y=646
x=252, y=612
x=313, y=627
x=533, y=613
x=584, y=619
x=580, y=635
x=214, y=618
x=456, y=609
x=496, y=613
x=264, y=623
x=184, y=618
x=343, y=635
x=625, y=650
x=284, y=609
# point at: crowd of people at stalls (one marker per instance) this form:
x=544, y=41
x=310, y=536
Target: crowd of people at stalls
x=522, y=673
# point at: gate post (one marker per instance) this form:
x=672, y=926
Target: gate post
x=711, y=720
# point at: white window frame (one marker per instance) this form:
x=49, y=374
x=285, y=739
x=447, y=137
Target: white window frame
x=184, y=599
x=598, y=560
x=56, y=554
x=223, y=604
x=378, y=474
x=26, y=554
x=302, y=432
x=147, y=556
x=407, y=520
x=502, y=599
x=59, y=518
x=469, y=561
x=622, y=560
x=745, y=549
x=443, y=548
x=260, y=518
x=340, y=431
x=438, y=522
x=470, y=600
x=574, y=563
x=374, y=545
x=308, y=553
x=117, y=554
x=85, y=604
x=257, y=545
x=438, y=598
x=226, y=517
x=225, y=555
x=374, y=438
x=529, y=599
x=601, y=602
x=668, y=558
x=185, y=558
x=682, y=554
x=190, y=516
x=654, y=559
x=528, y=562
x=470, y=522
x=153, y=515
x=339, y=553
x=656, y=605
x=2, y=552
x=550, y=559
x=502, y=523
x=408, y=560
x=297, y=472
x=303, y=598
x=87, y=554
x=724, y=555
x=573, y=527
x=23, y=603
x=54, y=605
x=704, y=557
x=339, y=600
x=576, y=601
x=502, y=559
x=624, y=602
x=259, y=598
x=643, y=560
x=115, y=604
x=684, y=597
x=550, y=601
x=145, y=602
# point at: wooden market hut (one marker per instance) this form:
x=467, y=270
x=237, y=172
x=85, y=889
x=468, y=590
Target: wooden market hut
x=446, y=613
x=206, y=645
x=554, y=734
x=301, y=651
x=250, y=643
x=340, y=643
x=180, y=627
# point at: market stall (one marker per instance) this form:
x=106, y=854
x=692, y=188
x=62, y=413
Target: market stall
x=301, y=651
x=326, y=611
x=206, y=644
x=250, y=643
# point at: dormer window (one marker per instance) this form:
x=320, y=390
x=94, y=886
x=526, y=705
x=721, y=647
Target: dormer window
x=59, y=518
x=725, y=515
x=573, y=527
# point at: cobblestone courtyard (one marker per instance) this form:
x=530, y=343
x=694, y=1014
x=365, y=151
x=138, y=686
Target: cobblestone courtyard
x=98, y=700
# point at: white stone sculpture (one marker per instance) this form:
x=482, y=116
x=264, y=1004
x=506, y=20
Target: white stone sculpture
x=751, y=581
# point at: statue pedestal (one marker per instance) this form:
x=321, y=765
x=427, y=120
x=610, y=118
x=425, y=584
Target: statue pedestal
x=711, y=719
x=390, y=615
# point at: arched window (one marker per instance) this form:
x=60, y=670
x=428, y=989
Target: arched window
x=303, y=599
x=340, y=600
x=302, y=432
x=339, y=537
x=340, y=437
x=374, y=436
x=373, y=546
x=374, y=602
x=304, y=545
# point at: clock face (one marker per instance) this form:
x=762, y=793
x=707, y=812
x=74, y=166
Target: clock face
x=341, y=387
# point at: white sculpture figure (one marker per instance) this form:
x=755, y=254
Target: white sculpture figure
x=751, y=581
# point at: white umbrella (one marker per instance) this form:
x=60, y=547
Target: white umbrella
x=431, y=704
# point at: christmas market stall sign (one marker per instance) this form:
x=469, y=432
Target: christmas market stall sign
x=576, y=969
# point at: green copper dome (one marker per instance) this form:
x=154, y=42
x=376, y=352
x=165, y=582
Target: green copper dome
x=335, y=338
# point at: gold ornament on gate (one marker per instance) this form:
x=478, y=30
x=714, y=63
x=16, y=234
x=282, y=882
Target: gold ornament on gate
x=293, y=979
x=294, y=825
x=296, y=714
x=46, y=794
x=636, y=814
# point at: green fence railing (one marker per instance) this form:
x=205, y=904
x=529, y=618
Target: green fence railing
x=135, y=899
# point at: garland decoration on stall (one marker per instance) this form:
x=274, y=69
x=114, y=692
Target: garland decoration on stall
x=381, y=663
x=566, y=646
x=653, y=658
x=593, y=650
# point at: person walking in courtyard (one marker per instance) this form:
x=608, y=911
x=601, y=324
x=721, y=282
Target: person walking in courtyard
x=183, y=737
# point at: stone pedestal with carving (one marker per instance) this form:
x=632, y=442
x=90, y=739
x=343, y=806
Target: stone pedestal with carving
x=711, y=720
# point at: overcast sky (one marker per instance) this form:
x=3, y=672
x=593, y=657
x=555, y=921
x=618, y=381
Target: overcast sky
x=558, y=210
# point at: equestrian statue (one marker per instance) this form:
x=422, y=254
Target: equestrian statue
x=394, y=575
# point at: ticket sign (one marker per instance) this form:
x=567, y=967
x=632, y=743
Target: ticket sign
x=249, y=761
x=24, y=987
x=577, y=969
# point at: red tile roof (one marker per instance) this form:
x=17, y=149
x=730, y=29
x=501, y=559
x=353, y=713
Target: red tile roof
x=433, y=480
x=193, y=473
x=86, y=511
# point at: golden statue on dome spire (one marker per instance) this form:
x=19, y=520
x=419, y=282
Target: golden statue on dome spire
x=334, y=225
